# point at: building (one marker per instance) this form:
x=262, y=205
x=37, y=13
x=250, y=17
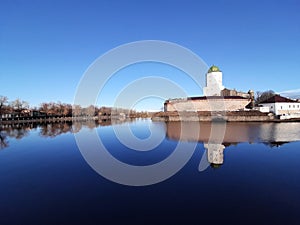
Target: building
x=216, y=97
x=283, y=107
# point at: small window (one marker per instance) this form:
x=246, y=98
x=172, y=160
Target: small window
x=293, y=106
x=271, y=107
x=297, y=106
x=289, y=106
x=280, y=107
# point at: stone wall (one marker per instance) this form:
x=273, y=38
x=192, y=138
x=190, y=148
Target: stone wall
x=206, y=105
x=230, y=92
x=209, y=119
x=238, y=116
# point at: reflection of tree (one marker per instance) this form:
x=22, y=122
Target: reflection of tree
x=215, y=166
x=275, y=143
x=227, y=144
x=104, y=122
x=76, y=127
x=90, y=124
x=18, y=131
x=55, y=129
x=3, y=140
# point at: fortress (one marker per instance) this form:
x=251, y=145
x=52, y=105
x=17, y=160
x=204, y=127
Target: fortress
x=216, y=97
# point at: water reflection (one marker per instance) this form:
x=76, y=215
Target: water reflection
x=18, y=132
x=215, y=153
x=3, y=140
x=21, y=130
x=271, y=134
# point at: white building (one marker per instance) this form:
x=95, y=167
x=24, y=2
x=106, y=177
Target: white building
x=214, y=83
x=282, y=106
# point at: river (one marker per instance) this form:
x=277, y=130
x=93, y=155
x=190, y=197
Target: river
x=150, y=173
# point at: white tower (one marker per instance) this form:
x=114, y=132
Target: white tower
x=214, y=82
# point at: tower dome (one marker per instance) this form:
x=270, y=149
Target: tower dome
x=214, y=68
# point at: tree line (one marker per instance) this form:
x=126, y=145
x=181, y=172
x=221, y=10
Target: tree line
x=21, y=108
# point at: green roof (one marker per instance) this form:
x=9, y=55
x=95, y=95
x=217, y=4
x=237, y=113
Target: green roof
x=214, y=68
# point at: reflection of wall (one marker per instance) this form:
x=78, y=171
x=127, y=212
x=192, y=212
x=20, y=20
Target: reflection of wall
x=215, y=153
x=280, y=132
x=233, y=132
x=218, y=135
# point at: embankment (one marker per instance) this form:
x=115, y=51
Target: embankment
x=45, y=119
x=204, y=116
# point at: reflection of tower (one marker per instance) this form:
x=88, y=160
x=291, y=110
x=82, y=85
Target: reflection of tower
x=213, y=82
x=215, y=153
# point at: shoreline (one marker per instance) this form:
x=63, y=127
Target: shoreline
x=47, y=120
x=229, y=117
x=204, y=116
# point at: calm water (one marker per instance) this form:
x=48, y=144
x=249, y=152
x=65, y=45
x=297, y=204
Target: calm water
x=251, y=177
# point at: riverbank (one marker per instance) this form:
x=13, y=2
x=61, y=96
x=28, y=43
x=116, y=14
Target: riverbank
x=235, y=116
x=102, y=120
x=46, y=119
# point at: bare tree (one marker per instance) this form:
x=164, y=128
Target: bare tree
x=90, y=111
x=67, y=110
x=262, y=96
x=77, y=110
x=3, y=101
x=53, y=109
x=44, y=107
x=19, y=105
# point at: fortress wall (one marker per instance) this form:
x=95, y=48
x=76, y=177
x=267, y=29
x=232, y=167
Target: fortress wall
x=210, y=118
x=206, y=105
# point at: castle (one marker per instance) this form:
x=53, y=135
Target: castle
x=216, y=97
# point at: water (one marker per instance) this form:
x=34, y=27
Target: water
x=251, y=177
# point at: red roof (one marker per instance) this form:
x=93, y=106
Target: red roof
x=278, y=98
x=209, y=97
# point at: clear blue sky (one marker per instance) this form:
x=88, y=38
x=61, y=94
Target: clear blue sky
x=45, y=46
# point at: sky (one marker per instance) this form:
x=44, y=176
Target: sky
x=47, y=46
